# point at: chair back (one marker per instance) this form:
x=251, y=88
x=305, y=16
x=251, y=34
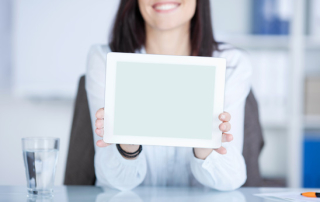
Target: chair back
x=80, y=161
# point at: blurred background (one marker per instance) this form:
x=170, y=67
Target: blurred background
x=43, y=50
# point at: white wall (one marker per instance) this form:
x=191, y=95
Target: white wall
x=231, y=17
x=5, y=43
x=51, y=42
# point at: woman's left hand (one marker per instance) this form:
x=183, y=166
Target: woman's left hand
x=225, y=126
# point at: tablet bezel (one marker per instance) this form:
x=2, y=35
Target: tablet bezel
x=113, y=58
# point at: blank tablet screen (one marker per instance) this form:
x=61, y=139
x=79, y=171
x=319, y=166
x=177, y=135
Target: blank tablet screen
x=164, y=100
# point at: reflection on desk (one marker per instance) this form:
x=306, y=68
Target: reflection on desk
x=143, y=194
x=170, y=194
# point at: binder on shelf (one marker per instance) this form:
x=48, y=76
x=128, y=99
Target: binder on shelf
x=271, y=17
x=311, y=163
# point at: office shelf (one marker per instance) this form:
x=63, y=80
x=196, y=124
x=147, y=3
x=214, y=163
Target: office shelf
x=309, y=122
x=274, y=126
x=312, y=43
x=256, y=41
x=294, y=122
x=267, y=41
x=312, y=122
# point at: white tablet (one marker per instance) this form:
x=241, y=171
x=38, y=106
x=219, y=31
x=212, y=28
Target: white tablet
x=164, y=100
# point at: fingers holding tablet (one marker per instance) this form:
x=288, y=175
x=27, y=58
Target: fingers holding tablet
x=225, y=127
x=227, y=137
x=100, y=127
x=101, y=143
x=99, y=131
x=99, y=123
x=100, y=113
x=225, y=116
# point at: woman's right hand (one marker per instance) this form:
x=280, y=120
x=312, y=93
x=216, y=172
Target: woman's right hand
x=100, y=127
x=100, y=131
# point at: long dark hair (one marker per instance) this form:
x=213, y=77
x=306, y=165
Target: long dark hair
x=128, y=33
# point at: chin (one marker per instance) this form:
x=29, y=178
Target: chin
x=163, y=26
x=168, y=24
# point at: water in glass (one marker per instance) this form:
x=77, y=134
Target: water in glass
x=40, y=170
x=40, y=160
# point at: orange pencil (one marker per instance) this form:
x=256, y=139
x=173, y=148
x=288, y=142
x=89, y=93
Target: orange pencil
x=311, y=194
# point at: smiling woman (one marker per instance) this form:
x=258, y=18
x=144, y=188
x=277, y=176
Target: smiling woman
x=189, y=20
x=172, y=27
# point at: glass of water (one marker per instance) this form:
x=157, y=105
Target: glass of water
x=40, y=159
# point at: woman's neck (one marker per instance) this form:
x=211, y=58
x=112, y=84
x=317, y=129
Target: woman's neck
x=168, y=42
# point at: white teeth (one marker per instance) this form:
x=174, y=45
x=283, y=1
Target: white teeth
x=164, y=7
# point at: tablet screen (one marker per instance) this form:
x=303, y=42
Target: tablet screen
x=164, y=100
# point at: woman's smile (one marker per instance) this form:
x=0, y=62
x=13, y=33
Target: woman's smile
x=165, y=7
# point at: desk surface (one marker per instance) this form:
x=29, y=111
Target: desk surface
x=141, y=194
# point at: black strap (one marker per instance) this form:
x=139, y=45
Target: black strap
x=129, y=154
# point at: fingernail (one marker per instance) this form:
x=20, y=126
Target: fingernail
x=222, y=117
x=223, y=127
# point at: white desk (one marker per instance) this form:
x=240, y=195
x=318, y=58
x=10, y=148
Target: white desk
x=142, y=194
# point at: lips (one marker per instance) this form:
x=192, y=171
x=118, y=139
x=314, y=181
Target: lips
x=165, y=6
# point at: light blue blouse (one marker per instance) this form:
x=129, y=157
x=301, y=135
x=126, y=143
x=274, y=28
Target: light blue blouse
x=174, y=166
